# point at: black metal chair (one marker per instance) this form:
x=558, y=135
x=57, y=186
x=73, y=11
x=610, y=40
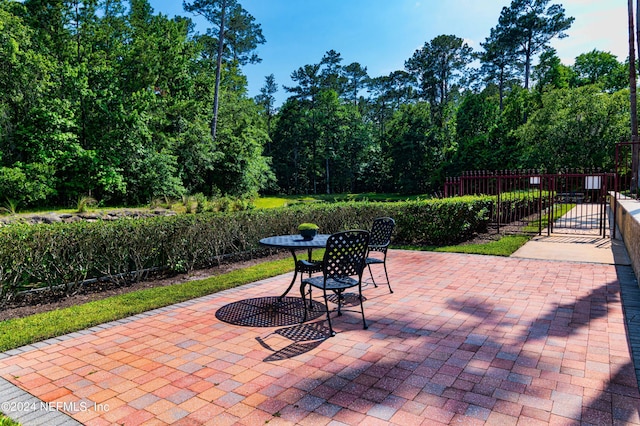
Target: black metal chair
x=308, y=267
x=379, y=241
x=344, y=259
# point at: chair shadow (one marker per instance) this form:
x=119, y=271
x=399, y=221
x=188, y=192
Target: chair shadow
x=286, y=312
x=268, y=312
x=305, y=337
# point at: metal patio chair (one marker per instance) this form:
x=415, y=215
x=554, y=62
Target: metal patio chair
x=342, y=268
x=379, y=241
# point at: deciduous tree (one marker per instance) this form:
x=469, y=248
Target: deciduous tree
x=603, y=68
x=574, y=128
x=413, y=150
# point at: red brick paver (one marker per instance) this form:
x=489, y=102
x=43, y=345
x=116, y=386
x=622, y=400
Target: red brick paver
x=463, y=339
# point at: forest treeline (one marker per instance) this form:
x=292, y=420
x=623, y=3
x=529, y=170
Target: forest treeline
x=110, y=99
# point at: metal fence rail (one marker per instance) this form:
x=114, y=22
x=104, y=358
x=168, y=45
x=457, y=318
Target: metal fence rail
x=528, y=200
x=623, y=165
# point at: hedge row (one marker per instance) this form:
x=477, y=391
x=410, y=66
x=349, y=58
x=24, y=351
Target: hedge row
x=64, y=255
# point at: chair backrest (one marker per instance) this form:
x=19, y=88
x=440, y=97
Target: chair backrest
x=345, y=254
x=381, y=232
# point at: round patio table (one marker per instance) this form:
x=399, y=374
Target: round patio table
x=294, y=243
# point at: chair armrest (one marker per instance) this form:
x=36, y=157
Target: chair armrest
x=378, y=247
x=309, y=267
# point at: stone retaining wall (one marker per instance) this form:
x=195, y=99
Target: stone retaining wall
x=627, y=219
x=92, y=216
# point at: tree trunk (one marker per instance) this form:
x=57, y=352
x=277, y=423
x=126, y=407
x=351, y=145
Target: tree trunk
x=326, y=165
x=501, y=89
x=216, y=95
x=633, y=102
x=527, y=64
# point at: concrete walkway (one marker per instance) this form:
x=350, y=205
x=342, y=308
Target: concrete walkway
x=463, y=339
x=575, y=248
x=577, y=245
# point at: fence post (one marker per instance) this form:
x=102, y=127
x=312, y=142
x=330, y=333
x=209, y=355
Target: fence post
x=499, y=202
x=552, y=188
x=540, y=205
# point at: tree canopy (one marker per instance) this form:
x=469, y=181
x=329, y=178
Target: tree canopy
x=112, y=100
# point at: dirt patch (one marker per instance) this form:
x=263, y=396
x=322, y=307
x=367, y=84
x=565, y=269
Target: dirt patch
x=43, y=302
x=494, y=234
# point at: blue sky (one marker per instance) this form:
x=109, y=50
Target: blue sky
x=382, y=34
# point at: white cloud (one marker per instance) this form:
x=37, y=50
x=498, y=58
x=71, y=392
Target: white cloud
x=472, y=43
x=598, y=25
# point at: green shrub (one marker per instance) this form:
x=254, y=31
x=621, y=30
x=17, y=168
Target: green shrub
x=62, y=255
x=28, y=183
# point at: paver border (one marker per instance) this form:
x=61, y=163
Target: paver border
x=29, y=410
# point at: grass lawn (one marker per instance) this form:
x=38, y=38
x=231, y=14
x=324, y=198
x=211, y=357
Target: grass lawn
x=505, y=246
x=6, y=421
x=266, y=202
x=287, y=200
x=559, y=210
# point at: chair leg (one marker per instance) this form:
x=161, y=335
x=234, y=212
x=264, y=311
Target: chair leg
x=384, y=264
x=364, y=321
x=340, y=298
x=326, y=304
x=304, y=301
x=387, y=275
x=371, y=273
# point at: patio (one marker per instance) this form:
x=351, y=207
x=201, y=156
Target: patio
x=463, y=340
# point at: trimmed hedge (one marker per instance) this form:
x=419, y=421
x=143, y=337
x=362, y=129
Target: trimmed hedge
x=61, y=256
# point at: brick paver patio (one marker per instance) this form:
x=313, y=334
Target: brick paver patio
x=463, y=340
